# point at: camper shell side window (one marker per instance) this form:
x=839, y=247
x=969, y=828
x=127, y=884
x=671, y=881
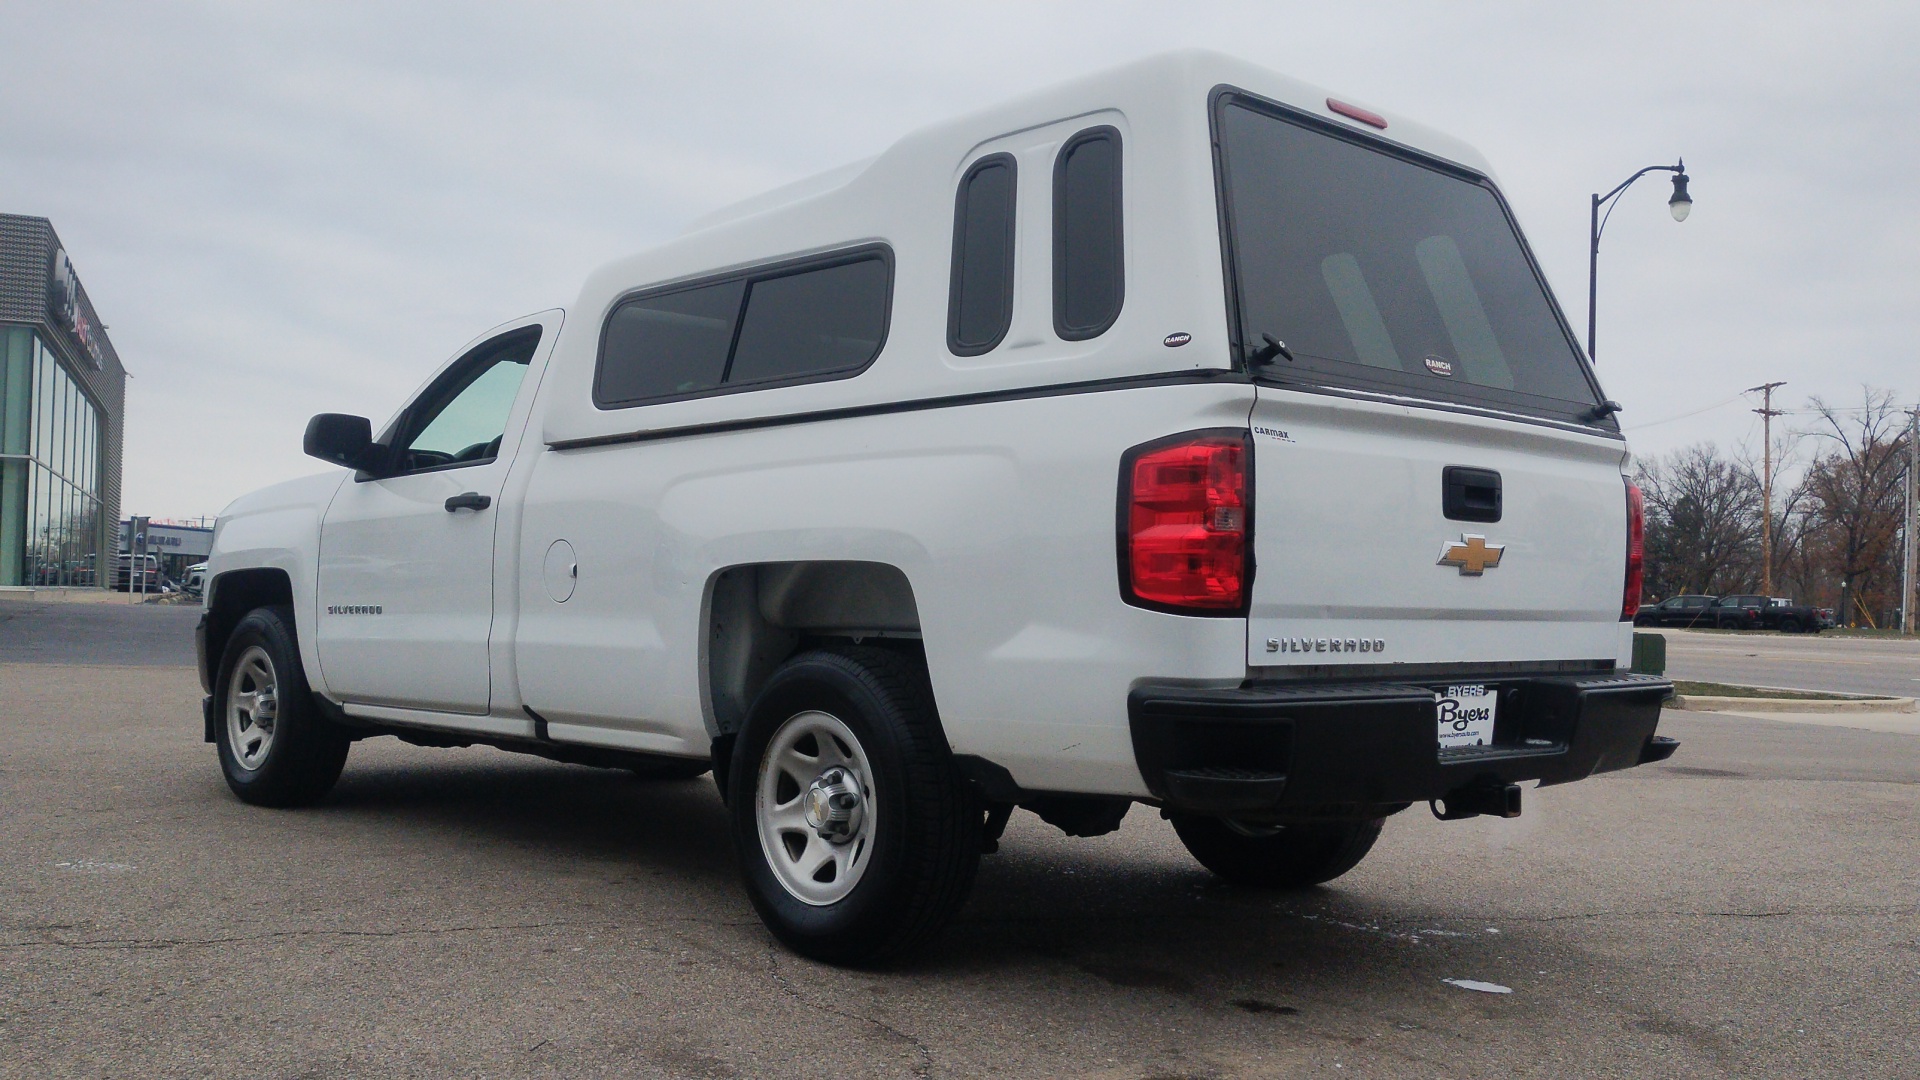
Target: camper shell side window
x=806, y=320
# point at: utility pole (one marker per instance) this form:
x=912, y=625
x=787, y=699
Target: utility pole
x=1912, y=549
x=1767, y=413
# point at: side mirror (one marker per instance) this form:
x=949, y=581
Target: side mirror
x=340, y=439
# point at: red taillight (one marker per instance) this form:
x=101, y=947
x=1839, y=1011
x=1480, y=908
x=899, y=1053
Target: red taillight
x=1636, y=552
x=1184, y=523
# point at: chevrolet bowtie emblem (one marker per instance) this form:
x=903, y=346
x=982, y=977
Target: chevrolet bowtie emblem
x=1473, y=555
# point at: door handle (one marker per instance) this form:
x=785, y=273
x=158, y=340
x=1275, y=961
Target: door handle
x=470, y=500
x=1470, y=494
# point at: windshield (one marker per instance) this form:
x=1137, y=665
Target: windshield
x=1382, y=273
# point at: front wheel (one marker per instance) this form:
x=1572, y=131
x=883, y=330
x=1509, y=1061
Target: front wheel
x=275, y=747
x=1276, y=856
x=857, y=836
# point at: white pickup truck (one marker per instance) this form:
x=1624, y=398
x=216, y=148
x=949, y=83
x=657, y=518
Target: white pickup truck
x=1181, y=436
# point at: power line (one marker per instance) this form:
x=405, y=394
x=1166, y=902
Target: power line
x=1685, y=415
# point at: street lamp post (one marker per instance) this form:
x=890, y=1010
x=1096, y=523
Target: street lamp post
x=1679, y=205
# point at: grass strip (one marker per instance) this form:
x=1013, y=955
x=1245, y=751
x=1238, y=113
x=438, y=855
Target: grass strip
x=1714, y=689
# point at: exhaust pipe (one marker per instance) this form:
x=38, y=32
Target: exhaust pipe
x=1492, y=799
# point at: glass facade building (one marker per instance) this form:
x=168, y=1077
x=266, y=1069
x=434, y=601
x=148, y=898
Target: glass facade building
x=62, y=393
x=52, y=530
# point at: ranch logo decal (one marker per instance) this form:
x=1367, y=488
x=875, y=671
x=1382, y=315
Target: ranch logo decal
x=1439, y=366
x=353, y=609
x=1176, y=339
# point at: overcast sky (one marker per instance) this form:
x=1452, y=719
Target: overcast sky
x=280, y=211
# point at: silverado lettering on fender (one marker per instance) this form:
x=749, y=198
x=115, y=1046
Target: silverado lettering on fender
x=884, y=497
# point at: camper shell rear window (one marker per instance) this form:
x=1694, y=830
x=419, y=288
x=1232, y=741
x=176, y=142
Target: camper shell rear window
x=808, y=320
x=1383, y=270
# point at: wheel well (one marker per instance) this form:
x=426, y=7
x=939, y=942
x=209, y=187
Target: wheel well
x=229, y=597
x=760, y=614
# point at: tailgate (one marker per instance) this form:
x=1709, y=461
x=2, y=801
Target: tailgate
x=1351, y=529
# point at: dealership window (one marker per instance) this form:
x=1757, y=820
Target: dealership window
x=50, y=520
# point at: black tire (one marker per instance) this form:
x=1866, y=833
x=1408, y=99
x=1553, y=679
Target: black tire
x=303, y=752
x=1789, y=625
x=1289, y=857
x=925, y=830
x=668, y=769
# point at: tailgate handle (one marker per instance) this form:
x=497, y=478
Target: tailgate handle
x=1469, y=494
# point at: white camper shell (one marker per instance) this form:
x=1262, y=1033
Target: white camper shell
x=1182, y=435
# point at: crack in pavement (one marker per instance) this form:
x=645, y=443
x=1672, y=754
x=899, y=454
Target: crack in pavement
x=923, y=1070
x=1769, y=914
x=170, y=943
x=424, y=931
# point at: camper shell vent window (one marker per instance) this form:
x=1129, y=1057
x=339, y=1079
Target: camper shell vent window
x=980, y=298
x=1089, y=282
x=807, y=321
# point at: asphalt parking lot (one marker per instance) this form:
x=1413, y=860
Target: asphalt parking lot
x=1751, y=908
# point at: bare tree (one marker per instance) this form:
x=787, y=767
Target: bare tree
x=1703, y=522
x=1855, y=496
x=1802, y=547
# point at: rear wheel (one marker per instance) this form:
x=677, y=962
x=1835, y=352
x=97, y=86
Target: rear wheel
x=1790, y=625
x=275, y=747
x=1276, y=856
x=857, y=836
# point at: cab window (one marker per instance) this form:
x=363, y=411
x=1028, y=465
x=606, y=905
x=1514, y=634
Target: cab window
x=461, y=418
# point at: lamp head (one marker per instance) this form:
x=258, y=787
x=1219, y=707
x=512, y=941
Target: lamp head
x=1681, y=203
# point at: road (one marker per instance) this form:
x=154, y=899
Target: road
x=138, y=635
x=1750, y=908
x=1847, y=665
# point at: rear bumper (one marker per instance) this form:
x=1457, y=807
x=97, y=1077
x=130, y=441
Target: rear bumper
x=1342, y=748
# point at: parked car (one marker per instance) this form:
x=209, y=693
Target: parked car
x=1781, y=613
x=973, y=478
x=1734, y=612
x=146, y=579
x=1679, y=611
x=1740, y=612
x=196, y=583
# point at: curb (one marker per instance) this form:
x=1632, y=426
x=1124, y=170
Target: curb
x=59, y=594
x=1697, y=703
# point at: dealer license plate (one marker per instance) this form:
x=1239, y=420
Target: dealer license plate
x=1466, y=715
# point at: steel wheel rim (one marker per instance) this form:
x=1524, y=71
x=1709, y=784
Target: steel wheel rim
x=818, y=862
x=253, y=708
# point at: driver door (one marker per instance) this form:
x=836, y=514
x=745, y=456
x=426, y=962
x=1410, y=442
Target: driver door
x=406, y=550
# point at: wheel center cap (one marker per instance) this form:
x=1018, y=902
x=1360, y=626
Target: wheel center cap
x=834, y=806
